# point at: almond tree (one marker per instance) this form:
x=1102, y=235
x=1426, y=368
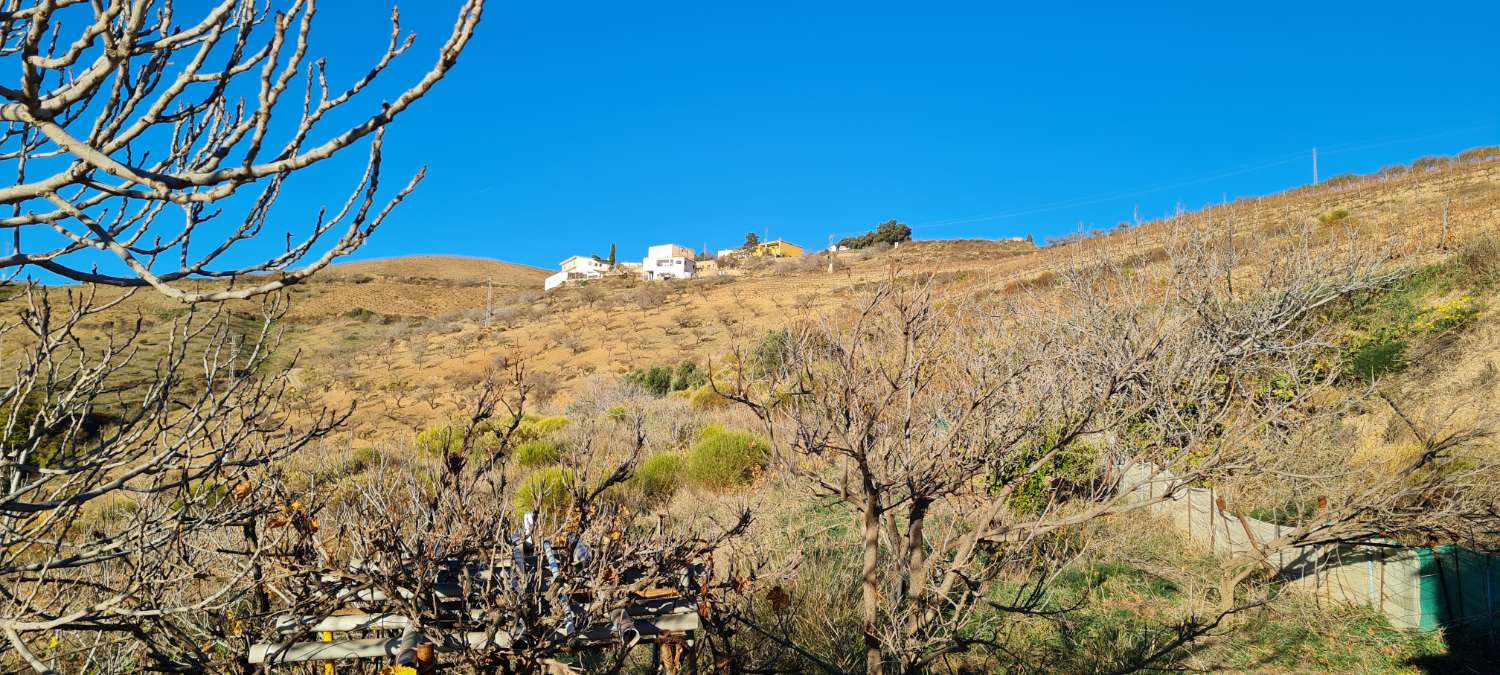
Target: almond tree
x=146, y=152
x=963, y=435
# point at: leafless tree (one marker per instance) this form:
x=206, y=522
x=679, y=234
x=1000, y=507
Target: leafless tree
x=962, y=435
x=144, y=154
x=502, y=575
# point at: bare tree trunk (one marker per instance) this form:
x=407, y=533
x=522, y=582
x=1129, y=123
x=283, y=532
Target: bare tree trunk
x=870, y=584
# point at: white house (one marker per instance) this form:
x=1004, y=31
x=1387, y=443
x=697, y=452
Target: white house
x=668, y=261
x=577, y=268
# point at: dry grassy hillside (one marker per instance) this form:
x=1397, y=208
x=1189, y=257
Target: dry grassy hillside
x=402, y=369
x=418, y=286
x=400, y=336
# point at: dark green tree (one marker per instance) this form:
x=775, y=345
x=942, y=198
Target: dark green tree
x=751, y=240
x=888, y=232
x=611, y=254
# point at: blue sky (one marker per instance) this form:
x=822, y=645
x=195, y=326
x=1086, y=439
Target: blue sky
x=568, y=126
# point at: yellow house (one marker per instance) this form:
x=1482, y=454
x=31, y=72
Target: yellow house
x=777, y=249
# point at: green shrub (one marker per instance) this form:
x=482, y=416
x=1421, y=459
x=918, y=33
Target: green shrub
x=687, y=377
x=656, y=380
x=1375, y=359
x=725, y=459
x=1071, y=466
x=659, y=477
x=1292, y=513
x=548, y=491
x=661, y=380
x=704, y=398
x=364, y=458
x=770, y=355
x=537, y=453
x=442, y=440
x=449, y=440
x=617, y=413
x=548, y=425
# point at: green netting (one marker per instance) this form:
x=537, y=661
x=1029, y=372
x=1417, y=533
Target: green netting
x=1458, y=587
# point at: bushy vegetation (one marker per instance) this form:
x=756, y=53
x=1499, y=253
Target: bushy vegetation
x=659, y=477
x=770, y=353
x=536, y=453
x=705, y=398
x=486, y=437
x=1334, y=216
x=725, y=459
x=1071, y=468
x=441, y=440
x=1428, y=302
x=661, y=380
x=888, y=232
x=548, y=491
x=548, y=425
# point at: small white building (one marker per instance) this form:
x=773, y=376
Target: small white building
x=668, y=261
x=577, y=268
x=726, y=252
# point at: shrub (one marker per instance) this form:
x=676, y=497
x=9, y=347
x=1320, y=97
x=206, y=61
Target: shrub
x=687, y=376
x=704, y=398
x=1333, y=216
x=659, y=477
x=1375, y=359
x=1446, y=314
x=443, y=440
x=548, y=491
x=537, y=453
x=771, y=354
x=448, y=439
x=617, y=413
x=1072, y=466
x=661, y=380
x=725, y=459
x=547, y=425
x=363, y=458
x=657, y=380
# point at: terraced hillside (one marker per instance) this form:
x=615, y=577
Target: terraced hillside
x=399, y=335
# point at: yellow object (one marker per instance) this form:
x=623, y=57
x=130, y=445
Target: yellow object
x=777, y=249
x=328, y=667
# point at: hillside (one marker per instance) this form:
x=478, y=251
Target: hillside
x=425, y=328
x=418, y=286
x=387, y=332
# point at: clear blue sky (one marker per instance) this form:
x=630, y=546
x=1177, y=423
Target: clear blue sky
x=571, y=125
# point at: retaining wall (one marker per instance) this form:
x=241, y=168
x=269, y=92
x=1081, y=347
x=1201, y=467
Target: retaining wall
x=1415, y=588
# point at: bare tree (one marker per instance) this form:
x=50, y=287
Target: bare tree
x=136, y=466
x=962, y=435
x=503, y=576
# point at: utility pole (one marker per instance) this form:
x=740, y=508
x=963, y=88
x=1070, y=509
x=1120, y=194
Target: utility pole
x=1315, y=166
x=489, y=299
x=830, y=254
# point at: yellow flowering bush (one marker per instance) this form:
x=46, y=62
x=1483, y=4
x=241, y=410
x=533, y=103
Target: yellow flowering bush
x=1446, y=314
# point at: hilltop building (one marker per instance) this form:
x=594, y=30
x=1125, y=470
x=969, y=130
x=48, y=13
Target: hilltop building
x=668, y=261
x=577, y=268
x=777, y=249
